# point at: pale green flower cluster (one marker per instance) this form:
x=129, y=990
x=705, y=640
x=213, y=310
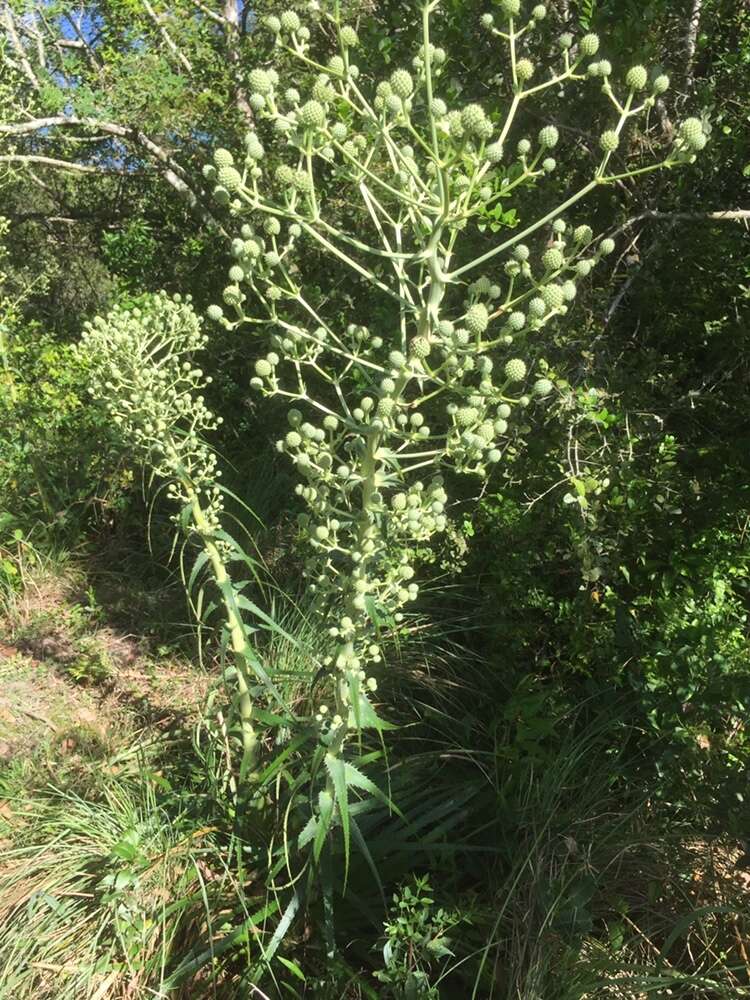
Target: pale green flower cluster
x=377, y=411
x=142, y=371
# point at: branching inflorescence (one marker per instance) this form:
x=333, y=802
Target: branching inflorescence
x=376, y=413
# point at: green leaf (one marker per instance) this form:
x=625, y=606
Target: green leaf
x=337, y=771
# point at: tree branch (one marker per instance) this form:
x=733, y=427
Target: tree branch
x=691, y=40
x=168, y=40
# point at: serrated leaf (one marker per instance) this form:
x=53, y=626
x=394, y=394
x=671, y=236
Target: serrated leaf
x=337, y=771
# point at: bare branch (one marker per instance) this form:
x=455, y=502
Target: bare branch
x=168, y=40
x=15, y=41
x=81, y=168
x=691, y=39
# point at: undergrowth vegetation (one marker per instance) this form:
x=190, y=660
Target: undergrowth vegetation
x=374, y=574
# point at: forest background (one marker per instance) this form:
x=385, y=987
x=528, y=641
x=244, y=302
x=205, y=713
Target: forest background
x=571, y=690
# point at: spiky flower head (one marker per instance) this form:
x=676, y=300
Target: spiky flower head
x=589, y=45
x=511, y=8
x=637, y=78
x=661, y=84
x=273, y=23
x=552, y=296
x=549, y=137
x=565, y=41
x=549, y=164
x=402, y=84
x=609, y=141
x=259, y=81
x=524, y=147
x=420, y=347
x=477, y=319
x=552, y=259
x=524, y=70
x=349, y=36
x=583, y=234
x=312, y=115
x=214, y=313
x=606, y=247
x=263, y=368
x=542, y=387
x=539, y=12
x=230, y=178
x=494, y=152
x=487, y=20
x=537, y=308
x=254, y=146
x=223, y=158
x=517, y=321
x=691, y=131
x=474, y=119
x=515, y=370
x=290, y=21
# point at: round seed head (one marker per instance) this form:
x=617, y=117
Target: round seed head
x=524, y=70
x=583, y=234
x=606, y=247
x=548, y=137
x=539, y=12
x=312, y=115
x=589, y=45
x=473, y=119
x=273, y=23
x=637, y=78
x=691, y=131
x=420, y=347
x=524, y=147
x=230, y=178
x=349, y=36
x=515, y=370
x=542, y=387
x=402, y=84
x=517, y=321
x=477, y=319
x=511, y=8
x=223, y=158
x=263, y=368
x=552, y=296
x=553, y=259
x=565, y=41
x=214, y=313
x=537, y=308
x=260, y=82
x=609, y=141
x=549, y=164
x=661, y=84
x=290, y=21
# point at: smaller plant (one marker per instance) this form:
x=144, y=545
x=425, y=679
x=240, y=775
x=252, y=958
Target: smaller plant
x=416, y=942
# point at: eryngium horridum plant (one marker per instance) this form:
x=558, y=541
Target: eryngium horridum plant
x=376, y=413
x=384, y=180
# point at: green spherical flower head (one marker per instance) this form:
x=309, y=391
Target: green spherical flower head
x=700, y=143
x=542, y=387
x=293, y=439
x=515, y=370
x=257, y=102
x=553, y=259
x=302, y=181
x=521, y=252
x=552, y=296
x=272, y=23
x=583, y=234
x=548, y=137
x=539, y=12
x=385, y=408
x=336, y=65
x=494, y=152
x=223, y=158
x=691, y=130
x=215, y=313
x=637, y=78
x=524, y=70
x=605, y=68
x=511, y=8
x=487, y=20
x=583, y=268
x=230, y=178
x=517, y=321
x=589, y=45
x=290, y=21
x=524, y=147
x=402, y=84
x=260, y=81
x=263, y=368
x=477, y=319
x=549, y=164
x=338, y=131
x=272, y=226
x=284, y=175
x=473, y=119
x=466, y=416
x=420, y=347
x=254, y=147
x=312, y=115
x=209, y=172
x=232, y=295
x=606, y=247
x=565, y=41
x=569, y=290
x=537, y=308
x=609, y=141
x=349, y=36
x=661, y=84
x=236, y=274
